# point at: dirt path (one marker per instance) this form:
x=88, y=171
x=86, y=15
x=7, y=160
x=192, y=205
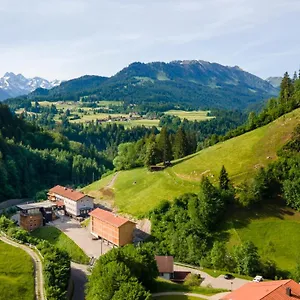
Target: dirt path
x=38, y=267
x=112, y=182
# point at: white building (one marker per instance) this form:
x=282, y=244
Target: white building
x=76, y=203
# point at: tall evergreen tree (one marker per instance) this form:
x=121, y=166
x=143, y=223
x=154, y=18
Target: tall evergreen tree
x=286, y=89
x=224, y=179
x=295, y=77
x=180, y=144
x=164, y=145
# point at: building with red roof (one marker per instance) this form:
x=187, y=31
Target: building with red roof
x=269, y=290
x=75, y=202
x=111, y=227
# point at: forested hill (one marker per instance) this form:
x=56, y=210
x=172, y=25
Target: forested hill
x=197, y=83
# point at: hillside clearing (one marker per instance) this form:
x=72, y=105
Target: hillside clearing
x=16, y=274
x=61, y=241
x=270, y=228
x=137, y=191
x=195, y=115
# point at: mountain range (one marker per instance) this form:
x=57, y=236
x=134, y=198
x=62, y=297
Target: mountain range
x=194, y=82
x=275, y=81
x=12, y=85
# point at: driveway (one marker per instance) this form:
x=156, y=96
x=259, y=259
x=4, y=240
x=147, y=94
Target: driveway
x=218, y=282
x=81, y=236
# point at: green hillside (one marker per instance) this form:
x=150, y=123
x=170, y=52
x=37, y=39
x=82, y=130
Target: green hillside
x=272, y=228
x=137, y=191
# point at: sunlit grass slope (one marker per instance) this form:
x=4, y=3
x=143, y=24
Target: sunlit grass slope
x=137, y=191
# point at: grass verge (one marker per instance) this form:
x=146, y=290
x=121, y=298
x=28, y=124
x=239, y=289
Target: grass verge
x=16, y=274
x=61, y=241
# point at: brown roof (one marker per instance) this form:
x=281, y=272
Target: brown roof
x=270, y=290
x=109, y=217
x=67, y=193
x=165, y=264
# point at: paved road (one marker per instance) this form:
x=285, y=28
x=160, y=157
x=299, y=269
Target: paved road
x=218, y=282
x=214, y=297
x=81, y=236
x=79, y=277
x=38, y=267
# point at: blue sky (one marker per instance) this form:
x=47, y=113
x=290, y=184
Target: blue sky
x=68, y=38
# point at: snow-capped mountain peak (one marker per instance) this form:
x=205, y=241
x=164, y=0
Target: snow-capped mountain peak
x=16, y=85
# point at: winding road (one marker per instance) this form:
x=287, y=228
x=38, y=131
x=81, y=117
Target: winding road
x=38, y=267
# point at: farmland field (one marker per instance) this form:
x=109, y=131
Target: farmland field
x=16, y=274
x=195, y=115
x=62, y=241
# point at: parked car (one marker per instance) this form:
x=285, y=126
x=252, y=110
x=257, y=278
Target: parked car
x=228, y=276
x=258, y=278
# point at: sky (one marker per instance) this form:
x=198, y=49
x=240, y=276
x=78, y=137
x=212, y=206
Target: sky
x=64, y=39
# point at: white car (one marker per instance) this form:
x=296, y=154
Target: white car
x=258, y=278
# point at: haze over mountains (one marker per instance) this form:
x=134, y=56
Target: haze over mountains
x=195, y=82
x=12, y=85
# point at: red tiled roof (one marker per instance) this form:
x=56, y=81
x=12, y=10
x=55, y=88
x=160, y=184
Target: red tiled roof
x=67, y=193
x=59, y=203
x=165, y=264
x=270, y=290
x=108, y=217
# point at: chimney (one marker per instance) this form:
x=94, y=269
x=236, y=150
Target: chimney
x=289, y=291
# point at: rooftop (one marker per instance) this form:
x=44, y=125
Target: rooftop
x=165, y=264
x=270, y=290
x=67, y=193
x=44, y=204
x=109, y=217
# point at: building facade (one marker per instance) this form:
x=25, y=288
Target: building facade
x=35, y=215
x=112, y=228
x=76, y=203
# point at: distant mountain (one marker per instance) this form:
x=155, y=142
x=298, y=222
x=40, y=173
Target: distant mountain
x=197, y=83
x=275, y=81
x=12, y=85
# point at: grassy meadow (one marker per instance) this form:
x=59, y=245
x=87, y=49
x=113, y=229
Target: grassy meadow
x=195, y=115
x=16, y=274
x=62, y=241
x=138, y=191
x=273, y=229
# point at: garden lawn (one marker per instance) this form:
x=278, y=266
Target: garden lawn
x=163, y=285
x=61, y=241
x=16, y=274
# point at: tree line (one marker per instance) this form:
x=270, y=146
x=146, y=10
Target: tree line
x=32, y=158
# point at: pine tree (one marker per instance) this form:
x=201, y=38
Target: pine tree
x=180, y=144
x=164, y=145
x=224, y=179
x=295, y=77
x=286, y=89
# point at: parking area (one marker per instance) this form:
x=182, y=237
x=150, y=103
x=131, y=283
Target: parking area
x=218, y=282
x=81, y=236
